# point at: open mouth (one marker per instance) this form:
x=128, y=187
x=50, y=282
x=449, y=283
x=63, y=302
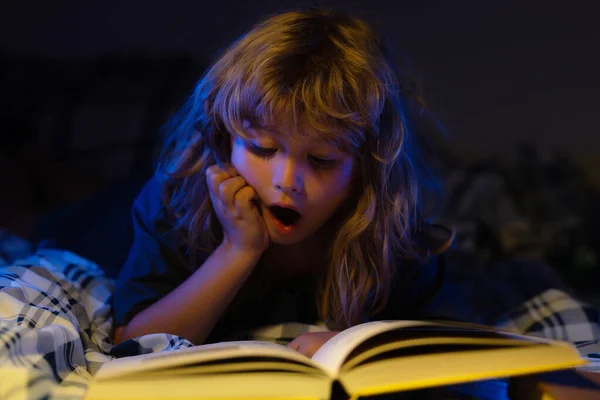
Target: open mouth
x=286, y=216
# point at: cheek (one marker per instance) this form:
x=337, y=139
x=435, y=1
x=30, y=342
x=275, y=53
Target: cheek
x=342, y=181
x=238, y=159
x=347, y=172
x=337, y=187
x=247, y=166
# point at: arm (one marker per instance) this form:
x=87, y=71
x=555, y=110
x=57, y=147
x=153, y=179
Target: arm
x=164, y=300
x=195, y=306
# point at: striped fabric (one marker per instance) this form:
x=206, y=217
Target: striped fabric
x=56, y=322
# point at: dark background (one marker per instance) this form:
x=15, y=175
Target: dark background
x=495, y=72
x=86, y=84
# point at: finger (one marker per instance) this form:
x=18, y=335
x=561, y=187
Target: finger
x=214, y=177
x=223, y=169
x=228, y=190
x=245, y=201
x=294, y=345
x=308, y=351
x=230, y=169
x=212, y=183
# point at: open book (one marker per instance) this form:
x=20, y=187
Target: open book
x=368, y=359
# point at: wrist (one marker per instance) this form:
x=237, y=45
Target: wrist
x=250, y=254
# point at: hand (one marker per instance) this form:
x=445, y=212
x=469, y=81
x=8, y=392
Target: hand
x=234, y=202
x=308, y=343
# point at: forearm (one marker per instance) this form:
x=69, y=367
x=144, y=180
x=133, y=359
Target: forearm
x=193, y=308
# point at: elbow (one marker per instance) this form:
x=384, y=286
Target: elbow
x=120, y=335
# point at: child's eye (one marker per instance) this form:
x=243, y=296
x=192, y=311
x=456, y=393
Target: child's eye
x=263, y=152
x=267, y=152
x=321, y=163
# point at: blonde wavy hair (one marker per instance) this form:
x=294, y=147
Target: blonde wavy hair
x=330, y=72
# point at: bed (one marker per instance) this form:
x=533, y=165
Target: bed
x=56, y=322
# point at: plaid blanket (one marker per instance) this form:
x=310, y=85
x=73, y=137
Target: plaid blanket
x=56, y=323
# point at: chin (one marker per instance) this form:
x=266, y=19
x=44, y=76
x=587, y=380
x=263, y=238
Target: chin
x=285, y=240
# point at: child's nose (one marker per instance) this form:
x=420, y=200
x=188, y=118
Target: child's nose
x=288, y=177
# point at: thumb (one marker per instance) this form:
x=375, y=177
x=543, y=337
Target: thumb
x=294, y=345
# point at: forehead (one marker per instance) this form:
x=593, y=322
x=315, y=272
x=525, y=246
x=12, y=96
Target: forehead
x=296, y=135
x=290, y=136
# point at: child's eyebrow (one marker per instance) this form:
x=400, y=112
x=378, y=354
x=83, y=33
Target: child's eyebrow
x=316, y=142
x=254, y=129
x=250, y=132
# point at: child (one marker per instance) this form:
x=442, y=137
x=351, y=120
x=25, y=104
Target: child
x=287, y=191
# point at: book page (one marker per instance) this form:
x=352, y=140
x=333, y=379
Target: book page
x=198, y=354
x=332, y=354
x=409, y=345
x=13, y=383
x=220, y=386
x=445, y=366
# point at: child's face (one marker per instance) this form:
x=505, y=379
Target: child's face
x=312, y=177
